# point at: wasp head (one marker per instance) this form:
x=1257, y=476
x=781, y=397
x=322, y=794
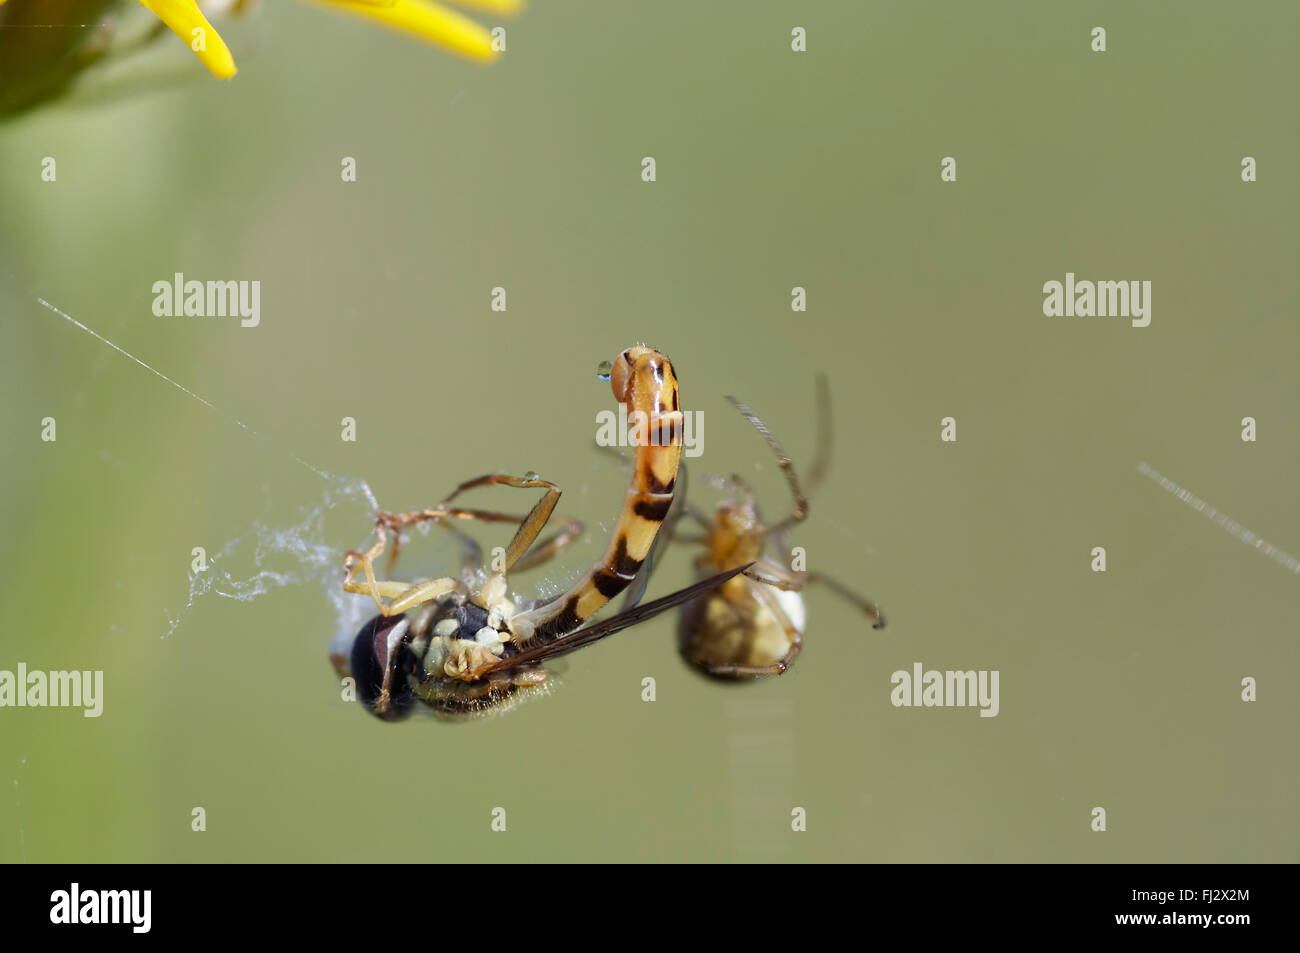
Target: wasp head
x=381, y=664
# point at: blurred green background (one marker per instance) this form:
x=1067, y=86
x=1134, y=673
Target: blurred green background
x=775, y=169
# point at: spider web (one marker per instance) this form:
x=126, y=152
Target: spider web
x=269, y=557
x=275, y=554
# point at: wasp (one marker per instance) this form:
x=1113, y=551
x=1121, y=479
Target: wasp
x=461, y=645
x=752, y=624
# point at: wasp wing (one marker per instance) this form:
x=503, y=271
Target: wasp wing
x=630, y=617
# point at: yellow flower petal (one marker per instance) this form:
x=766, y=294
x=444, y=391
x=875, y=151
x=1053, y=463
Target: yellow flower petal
x=493, y=6
x=428, y=21
x=496, y=6
x=184, y=17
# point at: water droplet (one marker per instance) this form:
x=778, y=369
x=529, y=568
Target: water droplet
x=604, y=369
x=532, y=475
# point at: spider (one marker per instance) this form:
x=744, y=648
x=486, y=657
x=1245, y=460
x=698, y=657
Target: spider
x=752, y=625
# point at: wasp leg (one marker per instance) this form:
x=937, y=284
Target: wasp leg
x=407, y=595
x=383, y=522
x=472, y=553
x=531, y=526
x=552, y=545
x=404, y=595
x=440, y=514
x=570, y=529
